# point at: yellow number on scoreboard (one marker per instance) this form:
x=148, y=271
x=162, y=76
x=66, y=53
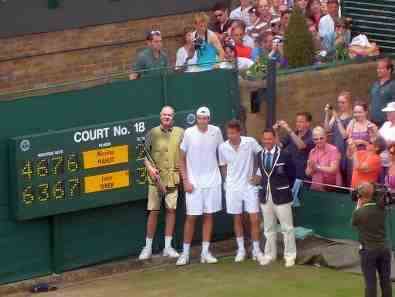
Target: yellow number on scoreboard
x=107, y=182
x=106, y=157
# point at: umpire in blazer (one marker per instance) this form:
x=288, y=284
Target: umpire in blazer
x=277, y=174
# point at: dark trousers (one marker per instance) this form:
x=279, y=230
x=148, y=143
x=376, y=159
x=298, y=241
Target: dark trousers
x=376, y=260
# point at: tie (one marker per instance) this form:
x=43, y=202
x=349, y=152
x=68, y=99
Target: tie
x=268, y=161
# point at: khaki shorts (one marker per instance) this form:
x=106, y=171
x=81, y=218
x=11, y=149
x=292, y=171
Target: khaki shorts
x=154, y=199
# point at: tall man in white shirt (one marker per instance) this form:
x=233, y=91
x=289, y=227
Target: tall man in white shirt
x=236, y=158
x=202, y=182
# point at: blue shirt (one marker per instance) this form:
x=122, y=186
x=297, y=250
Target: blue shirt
x=380, y=96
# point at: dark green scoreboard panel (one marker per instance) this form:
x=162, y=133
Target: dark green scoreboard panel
x=80, y=168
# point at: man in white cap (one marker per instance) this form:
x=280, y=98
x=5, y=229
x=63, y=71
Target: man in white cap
x=387, y=132
x=202, y=181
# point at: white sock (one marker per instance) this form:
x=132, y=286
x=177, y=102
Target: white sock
x=148, y=243
x=240, y=243
x=205, y=246
x=168, y=240
x=255, y=246
x=185, y=248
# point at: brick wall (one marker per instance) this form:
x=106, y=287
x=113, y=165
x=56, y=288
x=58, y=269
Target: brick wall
x=39, y=59
x=310, y=91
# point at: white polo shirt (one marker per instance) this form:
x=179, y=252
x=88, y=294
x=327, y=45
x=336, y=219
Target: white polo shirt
x=387, y=132
x=239, y=163
x=201, y=156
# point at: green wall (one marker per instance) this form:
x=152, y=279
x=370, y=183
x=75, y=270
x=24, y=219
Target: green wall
x=68, y=241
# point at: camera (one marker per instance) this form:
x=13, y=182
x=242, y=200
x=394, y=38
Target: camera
x=198, y=43
x=330, y=107
x=381, y=195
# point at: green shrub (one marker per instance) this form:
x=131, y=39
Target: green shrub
x=298, y=43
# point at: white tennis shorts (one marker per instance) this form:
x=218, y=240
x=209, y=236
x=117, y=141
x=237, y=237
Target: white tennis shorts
x=236, y=198
x=207, y=200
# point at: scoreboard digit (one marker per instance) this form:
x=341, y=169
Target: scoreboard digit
x=86, y=167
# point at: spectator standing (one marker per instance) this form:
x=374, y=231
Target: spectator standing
x=270, y=47
x=360, y=130
x=336, y=122
x=284, y=21
x=265, y=15
x=302, y=5
x=387, y=132
x=186, y=55
x=209, y=47
x=299, y=143
x=202, y=182
x=313, y=11
x=222, y=22
x=343, y=34
x=323, y=165
x=151, y=58
x=163, y=142
x=326, y=27
x=277, y=177
x=390, y=177
x=238, y=34
x=366, y=163
x=241, y=12
x=247, y=39
x=237, y=158
x=257, y=26
x=382, y=91
x=370, y=220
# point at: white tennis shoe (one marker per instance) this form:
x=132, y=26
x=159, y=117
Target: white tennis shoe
x=171, y=253
x=183, y=260
x=146, y=253
x=208, y=258
x=240, y=256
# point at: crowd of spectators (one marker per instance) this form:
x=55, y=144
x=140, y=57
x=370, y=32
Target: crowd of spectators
x=355, y=144
x=254, y=29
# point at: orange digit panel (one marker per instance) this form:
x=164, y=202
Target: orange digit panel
x=107, y=182
x=106, y=157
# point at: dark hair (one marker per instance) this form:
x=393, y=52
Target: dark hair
x=391, y=148
x=364, y=105
x=234, y=124
x=306, y=115
x=287, y=11
x=389, y=63
x=381, y=144
x=186, y=31
x=269, y=130
x=262, y=37
x=308, y=7
x=220, y=6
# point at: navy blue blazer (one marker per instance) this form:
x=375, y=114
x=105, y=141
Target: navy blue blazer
x=280, y=178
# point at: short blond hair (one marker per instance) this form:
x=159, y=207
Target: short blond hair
x=201, y=17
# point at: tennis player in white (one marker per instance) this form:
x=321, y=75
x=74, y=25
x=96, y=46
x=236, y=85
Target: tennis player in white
x=202, y=181
x=236, y=158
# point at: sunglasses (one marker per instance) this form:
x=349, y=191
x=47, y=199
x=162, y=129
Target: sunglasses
x=218, y=15
x=155, y=32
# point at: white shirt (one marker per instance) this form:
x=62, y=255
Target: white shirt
x=239, y=14
x=242, y=64
x=326, y=26
x=201, y=156
x=239, y=163
x=182, y=56
x=387, y=132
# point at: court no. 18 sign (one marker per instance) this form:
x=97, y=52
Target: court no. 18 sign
x=81, y=168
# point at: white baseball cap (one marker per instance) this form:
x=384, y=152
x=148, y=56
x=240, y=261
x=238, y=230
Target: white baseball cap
x=390, y=107
x=203, y=111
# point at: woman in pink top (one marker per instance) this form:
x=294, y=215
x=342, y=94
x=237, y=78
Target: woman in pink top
x=323, y=164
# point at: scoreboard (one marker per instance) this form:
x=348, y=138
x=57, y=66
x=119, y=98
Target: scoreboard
x=86, y=167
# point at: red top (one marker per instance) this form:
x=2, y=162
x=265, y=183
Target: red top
x=371, y=174
x=243, y=51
